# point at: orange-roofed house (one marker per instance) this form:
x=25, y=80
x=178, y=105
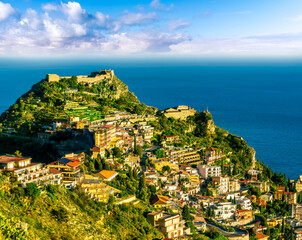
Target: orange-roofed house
x=211, y=154
x=172, y=139
x=160, y=201
x=70, y=168
x=261, y=236
x=107, y=175
x=98, y=151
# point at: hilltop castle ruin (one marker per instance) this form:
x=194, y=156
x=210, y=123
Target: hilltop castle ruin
x=94, y=77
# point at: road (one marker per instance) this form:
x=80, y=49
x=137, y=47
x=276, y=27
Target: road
x=237, y=232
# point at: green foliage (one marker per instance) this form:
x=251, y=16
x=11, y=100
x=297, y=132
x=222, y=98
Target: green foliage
x=160, y=153
x=253, y=190
x=138, y=150
x=61, y=214
x=116, y=152
x=32, y=190
x=9, y=229
x=127, y=222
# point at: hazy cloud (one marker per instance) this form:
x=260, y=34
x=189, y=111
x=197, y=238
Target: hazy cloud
x=296, y=19
x=156, y=4
x=6, y=10
x=178, y=24
x=274, y=44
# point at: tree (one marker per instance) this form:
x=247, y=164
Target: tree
x=107, y=153
x=213, y=233
x=32, y=190
x=17, y=153
x=166, y=168
x=139, y=151
x=116, y=152
x=110, y=203
x=235, y=171
x=160, y=153
x=142, y=190
x=186, y=213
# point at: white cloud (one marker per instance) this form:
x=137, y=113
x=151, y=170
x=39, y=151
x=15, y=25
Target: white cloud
x=68, y=28
x=48, y=7
x=74, y=11
x=31, y=19
x=131, y=19
x=178, y=24
x=156, y=4
x=137, y=18
x=6, y=10
x=142, y=41
x=101, y=18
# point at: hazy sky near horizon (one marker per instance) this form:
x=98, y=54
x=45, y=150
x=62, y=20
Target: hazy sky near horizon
x=200, y=28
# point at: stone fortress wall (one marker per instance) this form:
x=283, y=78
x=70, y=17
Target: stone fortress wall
x=94, y=77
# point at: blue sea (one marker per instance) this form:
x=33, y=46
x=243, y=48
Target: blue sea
x=260, y=101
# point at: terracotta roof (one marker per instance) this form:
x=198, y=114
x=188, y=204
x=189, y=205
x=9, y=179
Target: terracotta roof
x=95, y=149
x=7, y=159
x=107, y=174
x=160, y=200
x=73, y=164
x=281, y=188
x=54, y=171
x=211, y=149
x=289, y=193
x=107, y=126
x=261, y=236
x=155, y=213
x=172, y=136
x=243, y=210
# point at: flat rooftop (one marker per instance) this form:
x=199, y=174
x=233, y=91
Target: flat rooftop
x=7, y=159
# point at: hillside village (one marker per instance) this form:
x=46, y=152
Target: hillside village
x=196, y=180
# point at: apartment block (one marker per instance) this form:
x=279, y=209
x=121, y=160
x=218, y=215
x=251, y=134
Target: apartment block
x=24, y=171
x=209, y=171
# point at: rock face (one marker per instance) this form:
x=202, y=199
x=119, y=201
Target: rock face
x=210, y=126
x=205, y=124
x=253, y=157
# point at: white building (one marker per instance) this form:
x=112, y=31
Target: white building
x=209, y=171
x=223, y=184
x=224, y=210
x=244, y=202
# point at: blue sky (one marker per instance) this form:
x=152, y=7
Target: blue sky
x=202, y=28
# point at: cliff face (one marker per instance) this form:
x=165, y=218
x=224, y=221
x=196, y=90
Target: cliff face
x=47, y=102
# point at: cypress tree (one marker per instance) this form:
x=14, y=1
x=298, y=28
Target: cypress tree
x=283, y=226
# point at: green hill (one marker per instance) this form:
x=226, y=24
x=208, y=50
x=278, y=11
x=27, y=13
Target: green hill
x=47, y=102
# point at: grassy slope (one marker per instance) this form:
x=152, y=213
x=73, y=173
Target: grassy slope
x=57, y=213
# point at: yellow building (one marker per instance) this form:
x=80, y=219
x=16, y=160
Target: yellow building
x=161, y=162
x=104, y=135
x=97, y=189
x=179, y=112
